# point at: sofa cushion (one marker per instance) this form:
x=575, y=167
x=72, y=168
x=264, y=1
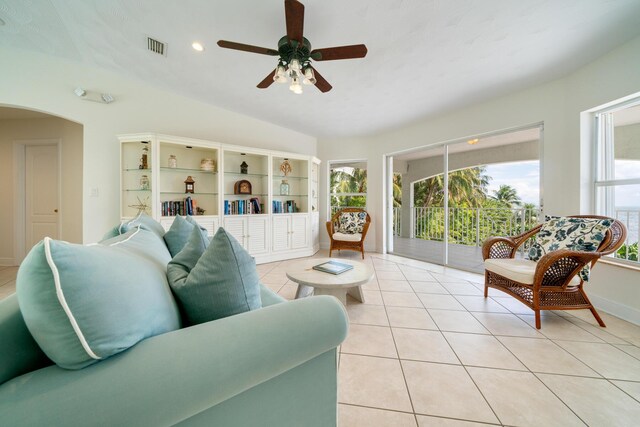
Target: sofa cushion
x=224, y=280
x=179, y=233
x=577, y=234
x=355, y=237
x=351, y=222
x=20, y=353
x=518, y=270
x=144, y=221
x=86, y=303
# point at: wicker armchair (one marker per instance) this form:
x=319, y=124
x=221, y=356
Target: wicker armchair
x=553, y=282
x=353, y=242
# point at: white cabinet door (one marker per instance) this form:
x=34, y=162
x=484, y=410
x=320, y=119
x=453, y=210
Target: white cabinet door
x=280, y=232
x=315, y=228
x=299, y=231
x=236, y=226
x=209, y=223
x=257, y=235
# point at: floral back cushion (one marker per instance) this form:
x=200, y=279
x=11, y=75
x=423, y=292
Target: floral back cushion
x=351, y=222
x=577, y=234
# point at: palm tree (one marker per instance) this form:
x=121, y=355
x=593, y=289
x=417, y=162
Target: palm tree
x=348, y=180
x=467, y=187
x=397, y=190
x=507, y=196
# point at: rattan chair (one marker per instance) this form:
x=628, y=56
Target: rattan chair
x=553, y=282
x=353, y=242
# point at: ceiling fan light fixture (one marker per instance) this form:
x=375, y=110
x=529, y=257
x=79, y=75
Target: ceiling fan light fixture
x=309, y=77
x=295, y=65
x=280, y=75
x=295, y=87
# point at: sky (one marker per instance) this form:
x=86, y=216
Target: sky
x=523, y=176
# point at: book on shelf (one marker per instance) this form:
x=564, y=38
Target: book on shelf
x=242, y=207
x=333, y=267
x=187, y=206
x=288, y=206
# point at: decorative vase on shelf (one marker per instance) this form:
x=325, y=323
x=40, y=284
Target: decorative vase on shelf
x=173, y=162
x=284, y=188
x=144, y=182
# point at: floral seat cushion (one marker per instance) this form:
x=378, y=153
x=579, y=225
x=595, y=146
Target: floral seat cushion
x=577, y=234
x=351, y=222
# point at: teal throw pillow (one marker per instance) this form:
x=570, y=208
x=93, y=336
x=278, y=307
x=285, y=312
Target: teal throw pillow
x=577, y=234
x=113, y=232
x=177, y=236
x=83, y=304
x=145, y=221
x=222, y=282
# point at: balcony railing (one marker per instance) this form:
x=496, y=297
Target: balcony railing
x=471, y=226
x=631, y=220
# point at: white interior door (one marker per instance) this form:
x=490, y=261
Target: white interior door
x=42, y=193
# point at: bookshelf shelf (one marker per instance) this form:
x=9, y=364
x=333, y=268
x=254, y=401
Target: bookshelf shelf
x=197, y=193
x=167, y=169
x=270, y=225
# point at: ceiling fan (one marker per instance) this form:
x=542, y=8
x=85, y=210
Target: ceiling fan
x=295, y=54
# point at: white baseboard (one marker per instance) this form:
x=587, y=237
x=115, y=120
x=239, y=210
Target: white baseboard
x=630, y=314
x=7, y=262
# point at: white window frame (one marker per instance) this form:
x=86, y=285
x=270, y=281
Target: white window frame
x=331, y=164
x=604, y=183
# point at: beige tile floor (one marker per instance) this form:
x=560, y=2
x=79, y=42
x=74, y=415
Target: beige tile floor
x=426, y=349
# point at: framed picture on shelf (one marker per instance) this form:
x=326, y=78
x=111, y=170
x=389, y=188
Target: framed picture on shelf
x=242, y=187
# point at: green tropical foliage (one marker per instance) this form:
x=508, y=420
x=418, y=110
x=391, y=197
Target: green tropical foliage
x=507, y=196
x=474, y=215
x=629, y=252
x=467, y=187
x=348, y=180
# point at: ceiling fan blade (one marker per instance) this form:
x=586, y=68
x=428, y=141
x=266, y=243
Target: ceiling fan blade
x=340, y=52
x=267, y=80
x=247, y=48
x=321, y=83
x=294, y=15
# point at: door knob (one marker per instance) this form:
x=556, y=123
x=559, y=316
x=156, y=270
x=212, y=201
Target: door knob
x=55, y=210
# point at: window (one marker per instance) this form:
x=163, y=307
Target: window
x=617, y=170
x=347, y=185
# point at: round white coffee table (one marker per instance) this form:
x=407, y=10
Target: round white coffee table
x=338, y=285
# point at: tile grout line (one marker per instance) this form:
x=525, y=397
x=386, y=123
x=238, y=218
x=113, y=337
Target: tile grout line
x=395, y=345
x=473, y=380
x=533, y=373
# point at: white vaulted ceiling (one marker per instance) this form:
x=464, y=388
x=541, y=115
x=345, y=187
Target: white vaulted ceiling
x=425, y=56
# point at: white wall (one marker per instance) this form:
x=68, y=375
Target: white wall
x=566, y=161
x=46, y=84
x=70, y=136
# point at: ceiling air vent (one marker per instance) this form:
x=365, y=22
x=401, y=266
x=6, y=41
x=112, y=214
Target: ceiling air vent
x=156, y=46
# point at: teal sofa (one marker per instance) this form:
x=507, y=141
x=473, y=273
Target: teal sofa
x=274, y=366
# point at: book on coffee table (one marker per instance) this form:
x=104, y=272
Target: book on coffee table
x=333, y=267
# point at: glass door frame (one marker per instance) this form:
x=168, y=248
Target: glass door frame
x=388, y=183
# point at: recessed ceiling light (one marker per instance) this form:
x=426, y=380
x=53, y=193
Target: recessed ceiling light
x=197, y=46
x=473, y=141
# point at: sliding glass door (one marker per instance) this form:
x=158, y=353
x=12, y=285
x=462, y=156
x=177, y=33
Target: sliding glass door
x=462, y=193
